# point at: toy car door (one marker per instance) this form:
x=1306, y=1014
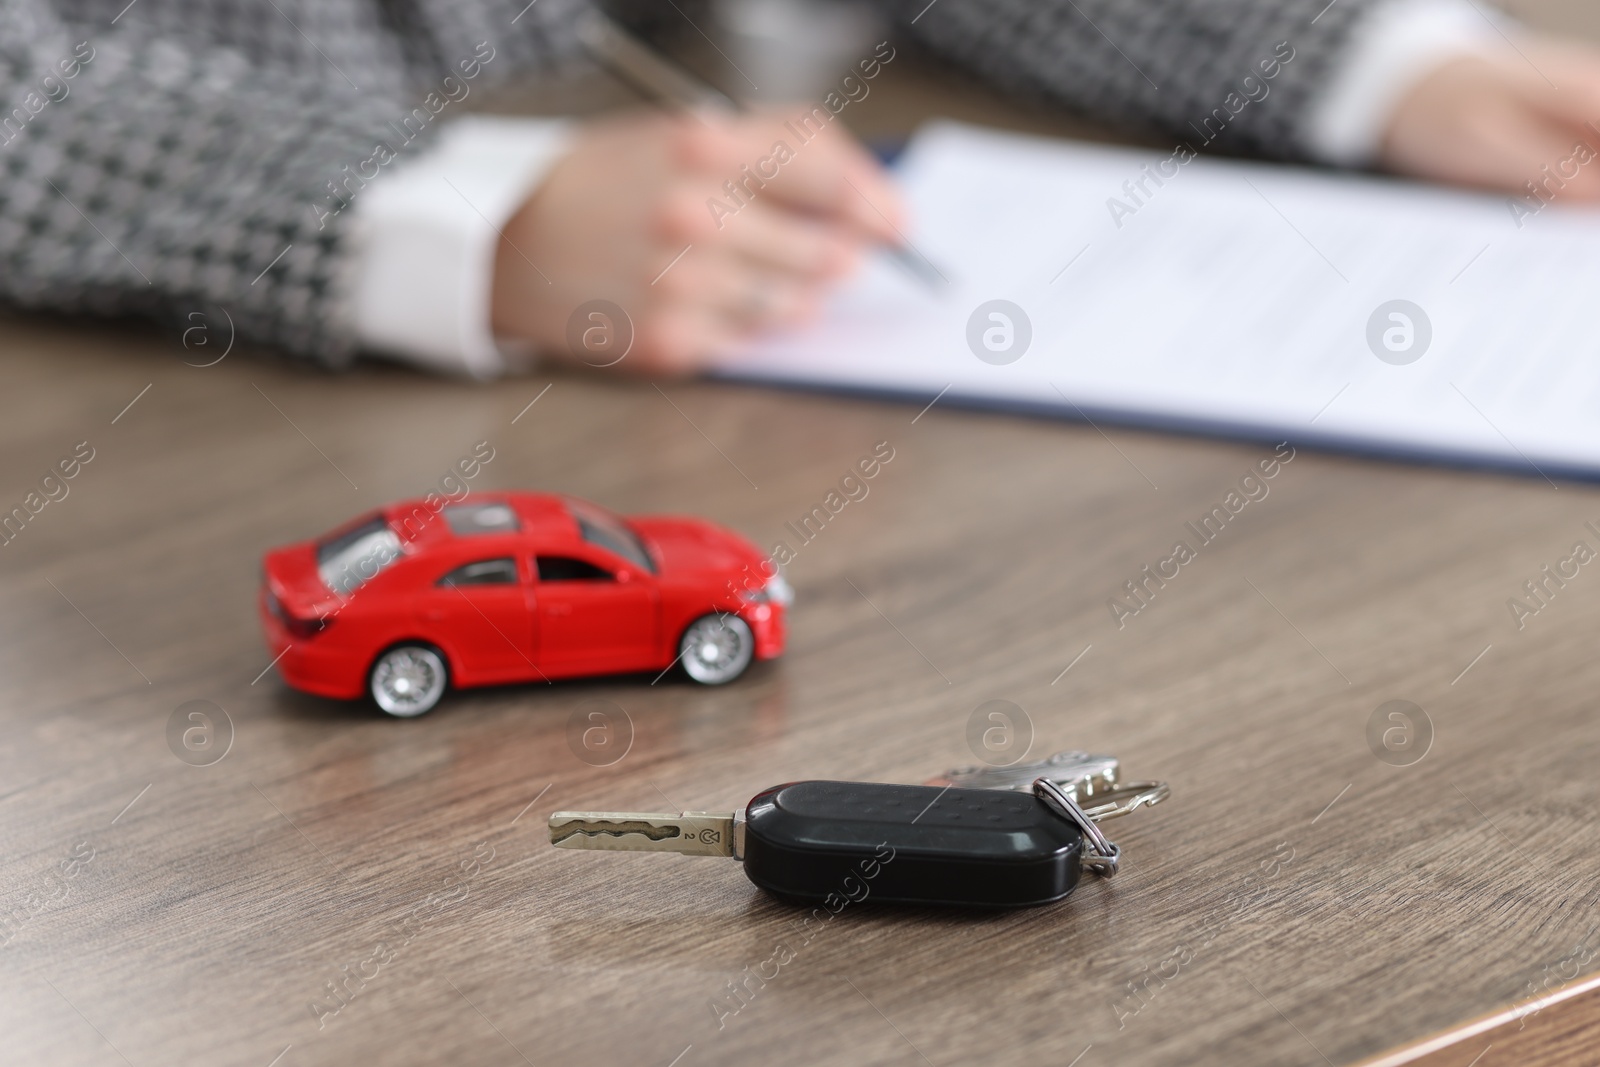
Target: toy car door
x=478, y=612
x=594, y=618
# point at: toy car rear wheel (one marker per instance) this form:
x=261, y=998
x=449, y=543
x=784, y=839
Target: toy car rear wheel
x=408, y=680
x=716, y=649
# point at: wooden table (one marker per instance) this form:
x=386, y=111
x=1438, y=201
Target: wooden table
x=1298, y=901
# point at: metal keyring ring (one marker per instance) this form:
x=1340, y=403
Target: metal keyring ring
x=1100, y=856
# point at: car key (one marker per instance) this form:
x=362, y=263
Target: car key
x=808, y=841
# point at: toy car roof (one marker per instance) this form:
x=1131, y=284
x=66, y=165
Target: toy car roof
x=543, y=517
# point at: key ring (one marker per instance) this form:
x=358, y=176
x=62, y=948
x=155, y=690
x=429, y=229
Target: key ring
x=1099, y=854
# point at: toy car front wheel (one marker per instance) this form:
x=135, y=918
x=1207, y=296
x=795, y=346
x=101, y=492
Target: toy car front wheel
x=716, y=649
x=408, y=680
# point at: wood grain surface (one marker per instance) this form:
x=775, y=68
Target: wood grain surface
x=1301, y=899
x=1296, y=899
x=1560, y=1026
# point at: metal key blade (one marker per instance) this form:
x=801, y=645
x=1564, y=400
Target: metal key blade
x=692, y=833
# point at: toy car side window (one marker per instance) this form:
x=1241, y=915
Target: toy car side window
x=502, y=571
x=568, y=569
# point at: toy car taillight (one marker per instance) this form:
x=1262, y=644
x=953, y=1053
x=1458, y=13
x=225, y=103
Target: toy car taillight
x=297, y=626
x=305, y=627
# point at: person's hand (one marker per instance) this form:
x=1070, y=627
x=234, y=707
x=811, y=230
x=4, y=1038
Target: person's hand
x=613, y=218
x=1496, y=121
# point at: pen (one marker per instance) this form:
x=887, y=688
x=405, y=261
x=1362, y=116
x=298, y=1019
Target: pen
x=656, y=77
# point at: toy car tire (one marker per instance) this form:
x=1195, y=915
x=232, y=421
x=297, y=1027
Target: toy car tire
x=408, y=680
x=716, y=649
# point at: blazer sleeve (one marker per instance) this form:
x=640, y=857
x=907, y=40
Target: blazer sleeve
x=143, y=174
x=1174, y=68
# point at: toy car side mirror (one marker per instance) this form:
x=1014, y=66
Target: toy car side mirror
x=624, y=575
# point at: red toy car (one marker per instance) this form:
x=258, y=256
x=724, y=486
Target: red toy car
x=403, y=603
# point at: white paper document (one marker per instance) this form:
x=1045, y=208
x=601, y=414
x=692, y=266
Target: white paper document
x=1244, y=299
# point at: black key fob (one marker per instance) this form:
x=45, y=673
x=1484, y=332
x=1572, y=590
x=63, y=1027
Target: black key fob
x=909, y=844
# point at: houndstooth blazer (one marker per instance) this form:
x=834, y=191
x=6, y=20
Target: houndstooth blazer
x=163, y=156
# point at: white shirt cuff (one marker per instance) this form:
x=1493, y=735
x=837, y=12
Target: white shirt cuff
x=426, y=235
x=1390, y=50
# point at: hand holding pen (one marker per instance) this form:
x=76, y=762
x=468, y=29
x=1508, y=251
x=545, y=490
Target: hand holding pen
x=667, y=218
x=704, y=225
